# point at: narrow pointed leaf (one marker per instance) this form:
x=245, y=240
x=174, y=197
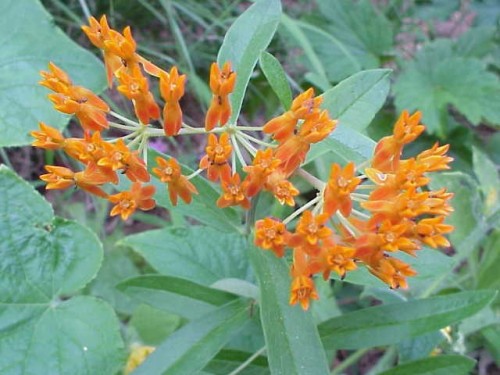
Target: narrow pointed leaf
x=389, y=324
x=189, y=349
x=176, y=295
x=293, y=345
x=276, y=77
x=442, y=365
x=245, y=40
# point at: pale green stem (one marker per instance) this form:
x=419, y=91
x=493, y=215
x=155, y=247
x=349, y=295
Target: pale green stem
x=248, y=361
x=131, y=135
x=124, y=119
x=314, y=181
x=256, y=140
x=252, y=150
x=85, y=9
x=347, y=225
x=297, y=212
x=122, y=127
x=195, y=173
x=366, y=187
x=250, y=128
x=349, y=361
x=237, y=150
x=360, y=214
x=361, y=196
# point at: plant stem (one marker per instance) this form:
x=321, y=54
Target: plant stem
x=349, y=361
x=255, y=140
x=252, y=150
x=248, y=361
x=297, y=212
x=124, y=119
x=314, y=181
x=238, y=152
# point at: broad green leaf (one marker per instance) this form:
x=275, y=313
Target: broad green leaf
x=190, y=348
x=29, y=41
x=292, y=27
x=429, y=84
x=355, y=101
x=245, y=40
x=489, y=181
x=360, y=26
x=176, y=295
x=117, y=266
x=197, y=253
x=492, y=336
x=293, y=345
x=228, y=360
x=389, y=324
x=43, y=260
x=153, y=325
x=342, y=146
x=466, y=203
x=490, y=263
x=477, y=42
x=419, y=347
x=327, y=58
x=276, y=77
x=203, y=206
x=441, y=365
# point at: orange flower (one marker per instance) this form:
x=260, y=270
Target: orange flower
x=216, y=159
x=435, y=159
x=172, y=89
x=283, y=190
x=392, y=271
x=302, y=289
x=388, y=149
x=222, y=84
x=48, y=137
x=83, y=103
x=431, y=230
x=127, y=202
x=263, y=164
x=178, y=185
x=135, y=87
x=395, y=237
x=341, y=184
x=233, y=193
x=55, y=79
x=317, y=127
x=88, y=180
x=309, y=232
x=58, y=177
x=339, y=259
x=271, y=234
x=305, y=106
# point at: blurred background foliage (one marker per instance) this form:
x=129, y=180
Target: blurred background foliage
x=445, y=58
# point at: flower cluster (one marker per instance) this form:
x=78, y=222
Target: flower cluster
x=365, y=215
x=361, y=214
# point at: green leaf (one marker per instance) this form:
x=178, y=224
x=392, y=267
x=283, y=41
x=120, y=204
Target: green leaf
x=293, y=345
x=490, y=263
x=176, y=295
x=245, y=40
x=355, y=101
x=419, y=347
x=389, y=324
x=228, y=360
x=360, y=26
x=42, y=260
x=30, y=40
x=203, y=206
x=291, y=26
x=153, y=325
x=487, y=174
x=200, y=254
x=442, y=365
x=466, y=203
x=276, y=77
x=190, y=348
x=342, y=146
x=429, y=83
